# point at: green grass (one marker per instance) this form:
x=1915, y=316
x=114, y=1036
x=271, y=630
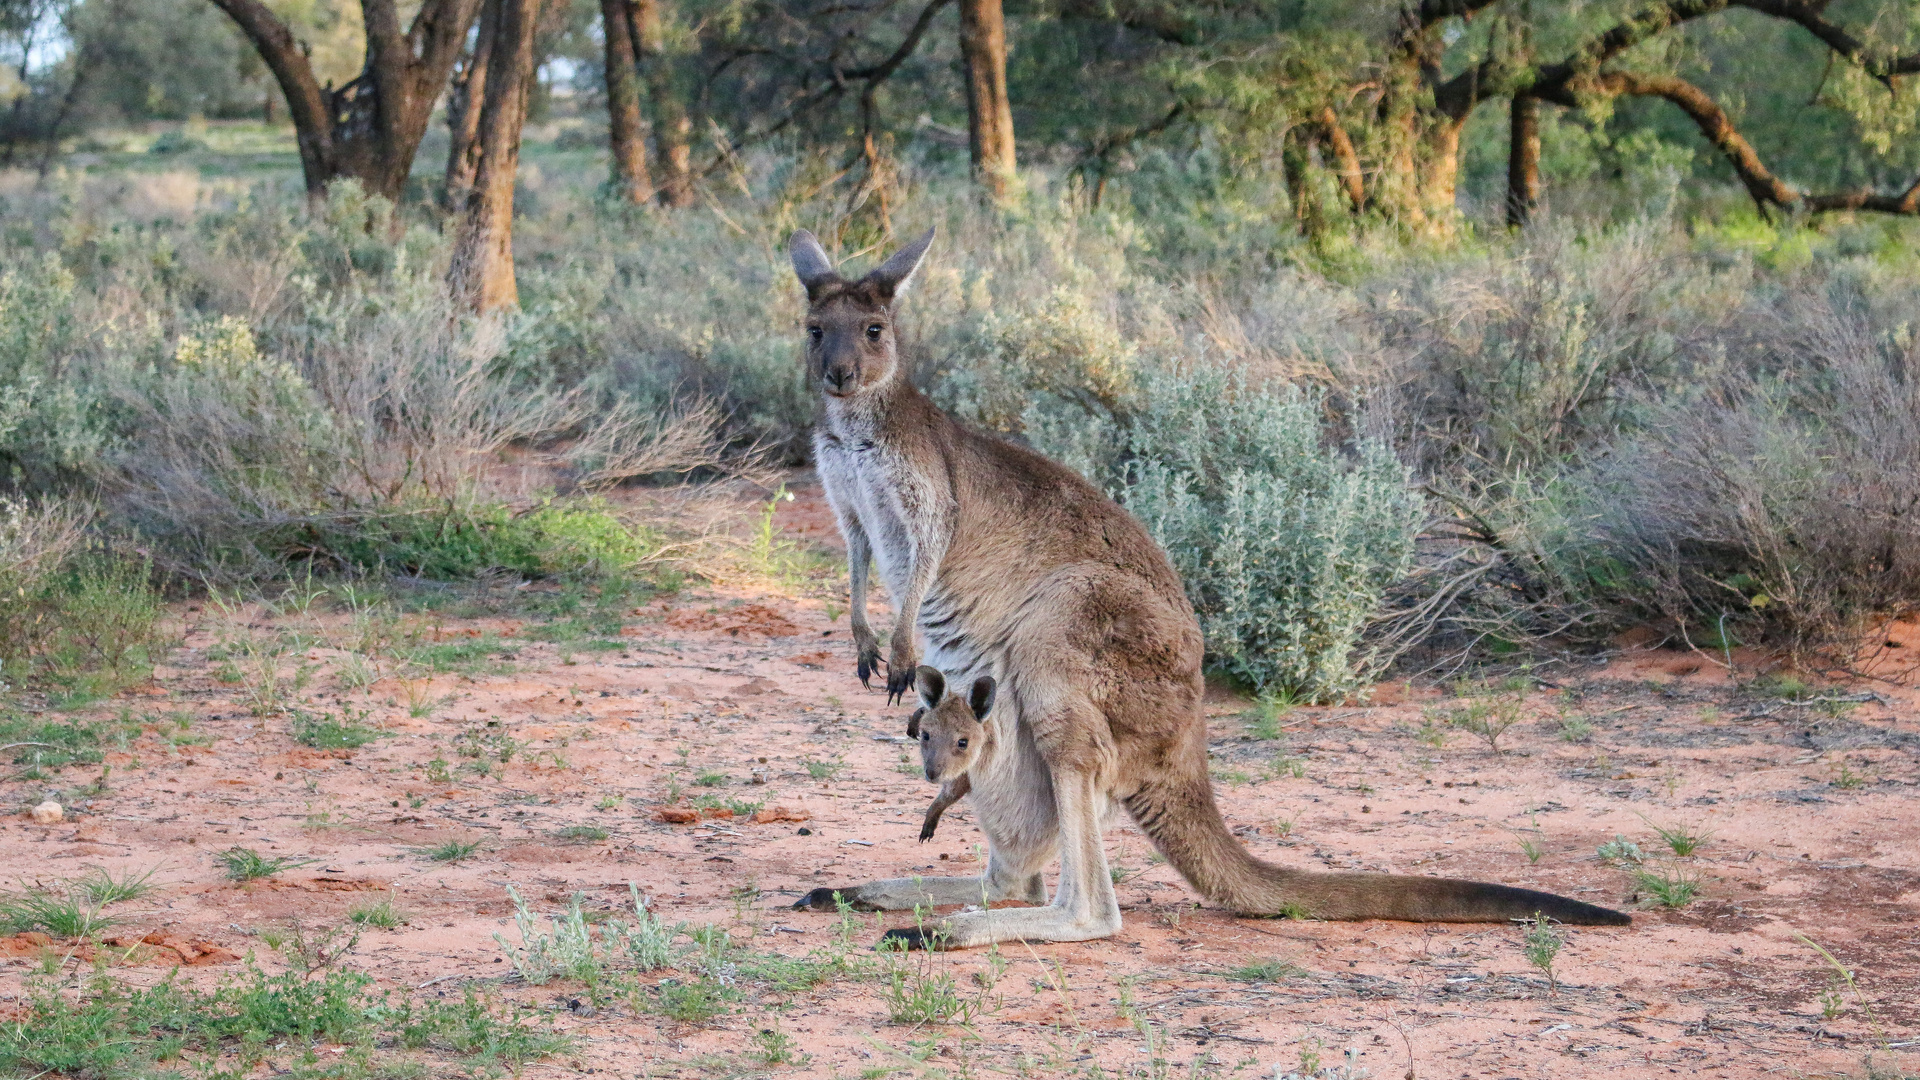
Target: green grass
x=39, y=743
x=1541, y=945
x=381, y=913
x=452, y=850
x=711, y=778
x=581, y=834
x=1265, y=971
x=696, y=1001
x=103, y=888
x=246, y=864
x=1681, y=840
x=112, y=1031
x=329, y=732
x=1670, y=887
x=822, y=770
x=63, y=913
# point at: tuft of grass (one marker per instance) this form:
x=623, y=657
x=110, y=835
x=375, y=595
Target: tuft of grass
x=449, y=851
x=329, y=732
x=1575, y=728
x=1530, y=847
x=1670, y=887
x=710, y=778
x=581, y=834
x=695, y=1001
x=823, y=770
x=1265, y=971
x=246, y=864
x=64, y=913
x=382, y=913
x=1488, y=711
x=1264, y=719
x=103, y=888
x=1680, y=839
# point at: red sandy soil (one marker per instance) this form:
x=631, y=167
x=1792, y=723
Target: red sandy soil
x=1811, y=811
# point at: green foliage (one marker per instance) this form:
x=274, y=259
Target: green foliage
x=452, y=851
x=564, y=950
x=1541, y=945
x=246, y=864
x=66, y=912
x=116, y=1032
x=382, y=913
x=40, y=743
x=1621, y=851
x=1668, y=886
x=326, y=731
x=1286, y=546
x=1266, y=971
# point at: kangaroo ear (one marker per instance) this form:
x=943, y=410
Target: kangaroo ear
x=810, y=262
x=892, y=276
x=981, y=698
x=931, y=684
x=913, y=722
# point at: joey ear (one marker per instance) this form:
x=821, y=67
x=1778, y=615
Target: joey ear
x=892, y=276
x=913, y=722
x=981, y=697
x=810, y=262
x=931, y=684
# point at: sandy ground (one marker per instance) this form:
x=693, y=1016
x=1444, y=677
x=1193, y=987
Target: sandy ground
x=1811, y=812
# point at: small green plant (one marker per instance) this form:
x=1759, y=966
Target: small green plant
x=326, y=731
x=1488, y=712
x=67, y=912
x=696, y=1001
x=581, y=834
x=1670, y=887
x=1263, y=721
x=648, y=942
x=822, y=770
x=246, y=864
x=918, y=994
x=449, y=851
x=1265, y=971
x=1831, y=1004
x=607, y=802
x=1530, y=847
x=1575, y=728
x=1680, y=839
x=1431, y=734
x=1620, y=851
x=710, y=778
x=103, y=888
x=382, y=913
x=437, y=771
x=564, y=950
x=1846, y=779
x=1541, y=945
x=772, y=1046
x=1284, y=767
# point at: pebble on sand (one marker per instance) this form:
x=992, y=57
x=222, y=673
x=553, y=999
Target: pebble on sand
x=48, y=812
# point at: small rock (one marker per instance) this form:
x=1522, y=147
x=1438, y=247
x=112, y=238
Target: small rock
x=49, y=812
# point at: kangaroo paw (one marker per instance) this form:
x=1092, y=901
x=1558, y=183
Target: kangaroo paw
x=822, y=899
x=909, y=938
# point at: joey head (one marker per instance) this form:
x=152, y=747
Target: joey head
x=951, y=733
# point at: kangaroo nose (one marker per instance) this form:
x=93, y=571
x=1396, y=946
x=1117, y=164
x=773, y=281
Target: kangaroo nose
x=837, y=379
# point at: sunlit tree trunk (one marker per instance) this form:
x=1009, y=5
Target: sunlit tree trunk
x=626, y=131
x=672, y=128
x=983, y=49
x=481, y=275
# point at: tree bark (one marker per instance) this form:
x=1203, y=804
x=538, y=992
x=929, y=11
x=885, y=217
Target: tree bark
x=983, y=50
x=672, y=128
x=626, y=131
x=1346, y=162
x=464, y=103
x=1523, y=160
x=370, y=128
x=481, y=274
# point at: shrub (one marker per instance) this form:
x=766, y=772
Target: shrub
x=1286, y=545
x=35, y=541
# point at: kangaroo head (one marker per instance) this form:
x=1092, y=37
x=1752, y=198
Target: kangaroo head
x=950, y=729
x=851, y=345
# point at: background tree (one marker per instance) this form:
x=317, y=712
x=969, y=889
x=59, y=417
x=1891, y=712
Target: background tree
x=481, y=272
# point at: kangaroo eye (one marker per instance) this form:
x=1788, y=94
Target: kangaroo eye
x=873, y=332
x=963, y=744
x=925, y=736
x=813, y=332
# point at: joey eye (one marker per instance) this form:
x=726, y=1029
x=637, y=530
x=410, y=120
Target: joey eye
x=963, y=744
x=813, y=332
x=926, y=736
x=873, y=332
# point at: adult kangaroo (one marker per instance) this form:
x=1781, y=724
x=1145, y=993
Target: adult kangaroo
x=1013, y=566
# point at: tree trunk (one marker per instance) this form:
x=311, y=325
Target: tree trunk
x=626, y=131
x=468, y=95
x=1345, y=160
x=1523, y=160
x=481, y=274
x=983, y=49
x=672, y=128
x=1295, y=159
x=370, y=128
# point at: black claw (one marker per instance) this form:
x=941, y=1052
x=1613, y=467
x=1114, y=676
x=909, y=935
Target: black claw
x=926, y=833
x=818, y=900
x=908, y=938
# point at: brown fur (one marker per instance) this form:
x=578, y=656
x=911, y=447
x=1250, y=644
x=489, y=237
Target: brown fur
x=951, y=736
x=1011, y=565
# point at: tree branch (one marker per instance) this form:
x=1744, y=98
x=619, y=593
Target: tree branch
x=1346, y=161
x=305, y=100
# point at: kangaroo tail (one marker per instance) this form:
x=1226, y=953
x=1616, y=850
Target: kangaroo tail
x=1181, y=818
